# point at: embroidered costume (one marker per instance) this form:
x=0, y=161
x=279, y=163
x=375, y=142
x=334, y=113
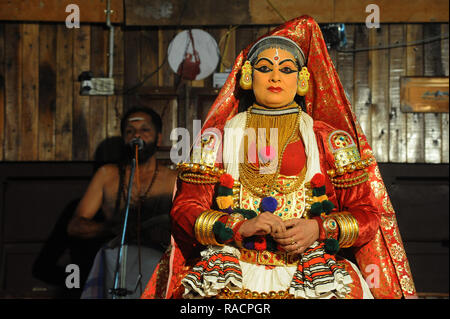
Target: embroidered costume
x=324, y=170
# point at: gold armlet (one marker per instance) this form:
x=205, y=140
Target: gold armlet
x=355, y=166
x=348, y=229
x=350, y=182
x=204, y=227
x=198, y=173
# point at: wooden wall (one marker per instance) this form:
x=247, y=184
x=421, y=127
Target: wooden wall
x=44, y=118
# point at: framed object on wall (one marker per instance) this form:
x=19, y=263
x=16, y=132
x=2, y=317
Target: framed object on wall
x=424, y=94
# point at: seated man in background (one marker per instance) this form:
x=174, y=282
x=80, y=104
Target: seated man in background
x=148, y=226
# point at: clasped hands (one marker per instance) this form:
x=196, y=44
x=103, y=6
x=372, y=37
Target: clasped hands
x=294, y=235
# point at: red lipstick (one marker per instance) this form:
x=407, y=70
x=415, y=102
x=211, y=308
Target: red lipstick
x=275, y=89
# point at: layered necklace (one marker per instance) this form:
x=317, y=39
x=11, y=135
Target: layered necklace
x=260, y=176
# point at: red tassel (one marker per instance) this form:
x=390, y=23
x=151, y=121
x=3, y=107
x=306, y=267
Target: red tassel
x=318, y=180
x=226, y=180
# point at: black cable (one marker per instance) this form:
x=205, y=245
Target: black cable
x=399, y=45
x=130, y=90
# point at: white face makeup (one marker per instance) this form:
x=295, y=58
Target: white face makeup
x=132, y=119
x=276, y=57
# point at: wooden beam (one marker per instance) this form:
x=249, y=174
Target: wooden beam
x=274, y=12
x=397, y=11
x=192, y=12
x=91, y=11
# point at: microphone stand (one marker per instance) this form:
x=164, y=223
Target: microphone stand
x=122, y=291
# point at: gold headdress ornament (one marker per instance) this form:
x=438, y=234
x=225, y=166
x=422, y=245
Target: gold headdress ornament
x=245, y=81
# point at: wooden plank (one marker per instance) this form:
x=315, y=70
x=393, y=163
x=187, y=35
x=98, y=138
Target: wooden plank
x=47, y=91
x=415, y=144
x=362, y=93
x=392, y=11
x=433, y=121
x=131, y=72
x=149, y=56
x=29, y=136
x=397, y=122
x=262, y=12
x=258, y=12
x=13, y=90
x=244, y=36
x=2, y=89
x=97, y=107
x=379, y=80
x=345, y=63
x=195, y=12
x=166, y=76
x=64, y=93
x=55, y=10
x=115, y=103
x=445, y=120
x=81, y=63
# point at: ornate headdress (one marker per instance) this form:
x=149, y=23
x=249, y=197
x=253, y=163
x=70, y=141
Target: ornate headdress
x=326, y=101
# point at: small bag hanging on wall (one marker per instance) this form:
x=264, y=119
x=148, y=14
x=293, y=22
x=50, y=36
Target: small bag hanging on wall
x=188, y=68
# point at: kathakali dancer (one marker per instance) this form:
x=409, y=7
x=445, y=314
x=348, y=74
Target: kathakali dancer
x=282, y=184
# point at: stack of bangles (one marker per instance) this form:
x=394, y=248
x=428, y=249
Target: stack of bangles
x=204, y=226
x=343, y=226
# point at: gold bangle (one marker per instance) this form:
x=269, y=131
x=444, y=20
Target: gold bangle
x=355, y=229
x=212, y=236
x=210, y=232
x=349, y=232
x=206, y=234
x=204, y=227
x=349, y=229
x=344, y=230
x=198, y=227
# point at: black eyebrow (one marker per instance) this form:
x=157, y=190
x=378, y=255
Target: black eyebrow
x=264, y=59
x=287, y=60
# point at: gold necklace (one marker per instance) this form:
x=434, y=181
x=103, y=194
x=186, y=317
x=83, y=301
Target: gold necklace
x=250, y=175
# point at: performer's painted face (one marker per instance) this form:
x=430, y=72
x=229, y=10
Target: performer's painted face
x=275, y=78
x=140, y=125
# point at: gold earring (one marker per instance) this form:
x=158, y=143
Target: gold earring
x=246, y=76
x=303, y=78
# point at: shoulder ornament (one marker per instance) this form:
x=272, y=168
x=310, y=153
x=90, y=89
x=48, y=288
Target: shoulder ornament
x=202, y=169
x=347, y=159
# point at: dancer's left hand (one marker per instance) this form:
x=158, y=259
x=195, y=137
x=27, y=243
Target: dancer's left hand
x=299, y=235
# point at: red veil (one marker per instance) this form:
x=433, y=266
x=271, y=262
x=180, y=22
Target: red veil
x=382, y=260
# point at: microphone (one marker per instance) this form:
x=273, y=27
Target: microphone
x=136, y=141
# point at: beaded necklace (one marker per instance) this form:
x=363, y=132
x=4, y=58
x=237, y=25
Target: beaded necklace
x=287, y=123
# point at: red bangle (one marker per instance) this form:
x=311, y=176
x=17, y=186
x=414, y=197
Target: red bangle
x=322, y=233
x=237, y=235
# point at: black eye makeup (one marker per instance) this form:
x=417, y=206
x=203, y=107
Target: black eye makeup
x=288, y=70
x=263, y=69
